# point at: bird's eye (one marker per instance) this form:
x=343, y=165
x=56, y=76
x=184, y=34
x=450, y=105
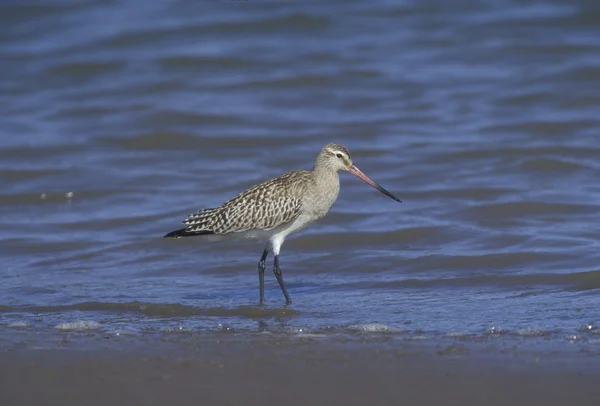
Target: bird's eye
x=338, y=155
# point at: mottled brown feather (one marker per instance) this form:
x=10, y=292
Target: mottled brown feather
x=262, y=207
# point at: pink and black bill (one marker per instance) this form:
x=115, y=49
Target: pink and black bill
x=359, y=174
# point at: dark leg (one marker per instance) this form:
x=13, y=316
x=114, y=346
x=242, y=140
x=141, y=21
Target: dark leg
x=279, y=277
x=261, y=275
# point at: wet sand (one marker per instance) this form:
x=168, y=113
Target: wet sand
x=274, y=372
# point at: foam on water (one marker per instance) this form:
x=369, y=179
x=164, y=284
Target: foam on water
x=19, y=324
x=80, y=325
x=533, y=332
x=457, y=334
x=374, y=328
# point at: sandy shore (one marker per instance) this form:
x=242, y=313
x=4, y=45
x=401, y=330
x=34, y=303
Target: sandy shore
x=286, y=373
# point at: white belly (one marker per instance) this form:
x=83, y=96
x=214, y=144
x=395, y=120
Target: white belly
x=281, y=232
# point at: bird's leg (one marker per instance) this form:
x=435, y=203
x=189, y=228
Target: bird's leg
x=279, y=277
x=261, y=275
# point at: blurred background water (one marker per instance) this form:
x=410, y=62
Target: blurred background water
x=121, y=117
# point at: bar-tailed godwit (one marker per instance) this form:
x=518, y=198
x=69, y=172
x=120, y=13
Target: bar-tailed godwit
x=272, y=210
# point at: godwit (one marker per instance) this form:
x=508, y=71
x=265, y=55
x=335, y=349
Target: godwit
x=274, y=209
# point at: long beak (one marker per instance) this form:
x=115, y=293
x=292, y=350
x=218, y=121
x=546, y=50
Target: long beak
x=358, y=173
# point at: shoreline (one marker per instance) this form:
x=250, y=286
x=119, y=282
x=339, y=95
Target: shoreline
x=271, y=371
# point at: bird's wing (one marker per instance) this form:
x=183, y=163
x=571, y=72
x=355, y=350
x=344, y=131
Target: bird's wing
x=262, y=207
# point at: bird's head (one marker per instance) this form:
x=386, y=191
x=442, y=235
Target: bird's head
x=336, y=157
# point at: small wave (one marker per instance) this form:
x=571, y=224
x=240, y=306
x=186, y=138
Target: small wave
x=588, y=328
x=224, y=328
x=551, y=165
x=519, y=152
x=496, y=331
x=456, y=350
x=300, y=22
x=122, y=332
x=577, y=281
x=87, y=69
x=196, y=62
x=458, y=334
x=533, y=332
x=161, y=140
x=24, y=175
x=374, y=328
x=19, y=324
x=521, y=209
x=310, y=335
x=159, y=309
x=81, y=325
x=176, y=329
x=343, y=239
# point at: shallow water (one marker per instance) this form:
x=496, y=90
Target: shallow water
x=121, y=118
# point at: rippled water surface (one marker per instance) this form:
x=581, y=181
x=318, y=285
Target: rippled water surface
x=119, y=118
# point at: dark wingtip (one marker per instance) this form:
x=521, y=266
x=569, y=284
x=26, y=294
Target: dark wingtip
x=183, y=233
x=177, y=234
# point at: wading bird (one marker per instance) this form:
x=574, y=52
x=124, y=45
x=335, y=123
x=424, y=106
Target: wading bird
x=272, y=210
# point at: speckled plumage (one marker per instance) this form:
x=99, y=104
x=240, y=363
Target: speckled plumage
x=274, y=209
x=263, y=207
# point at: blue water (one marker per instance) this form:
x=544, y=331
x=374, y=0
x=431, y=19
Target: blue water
x=121, y=118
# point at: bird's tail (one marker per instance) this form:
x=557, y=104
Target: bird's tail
x=184, y=233
x=195, y=224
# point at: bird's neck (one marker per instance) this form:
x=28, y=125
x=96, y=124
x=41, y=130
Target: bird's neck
x=325, y=191
x=325, y=177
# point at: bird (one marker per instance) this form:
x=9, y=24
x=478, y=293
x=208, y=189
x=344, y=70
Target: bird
x=272, y=210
